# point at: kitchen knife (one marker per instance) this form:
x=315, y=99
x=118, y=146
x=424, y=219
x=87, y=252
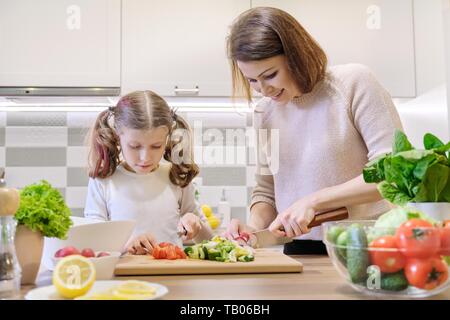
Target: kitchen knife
x=265, y=238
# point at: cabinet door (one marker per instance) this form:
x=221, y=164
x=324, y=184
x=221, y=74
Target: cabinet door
x=60, y=43
x=377, y=33
x=177, y=47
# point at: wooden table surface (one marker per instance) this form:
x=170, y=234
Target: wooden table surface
x=319, y=280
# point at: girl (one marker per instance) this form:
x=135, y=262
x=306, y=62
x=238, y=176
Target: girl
x=128, y=180
x=330, y=123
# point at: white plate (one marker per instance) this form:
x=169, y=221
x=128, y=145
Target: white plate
x=50, y=293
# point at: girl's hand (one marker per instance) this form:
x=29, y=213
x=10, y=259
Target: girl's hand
x=141, y=244
x=191, y=223
x=294, y=220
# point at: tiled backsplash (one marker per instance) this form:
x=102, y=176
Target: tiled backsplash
x=51, y=146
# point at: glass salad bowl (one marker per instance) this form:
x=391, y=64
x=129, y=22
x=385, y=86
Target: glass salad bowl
x=409, y=261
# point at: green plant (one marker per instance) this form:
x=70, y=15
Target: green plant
x=42, y=208
x=412, y=175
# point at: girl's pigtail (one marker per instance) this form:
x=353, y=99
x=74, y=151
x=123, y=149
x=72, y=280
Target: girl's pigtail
x=104, y=148
x=180, y=152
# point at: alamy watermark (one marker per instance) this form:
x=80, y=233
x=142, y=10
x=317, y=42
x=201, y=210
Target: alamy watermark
x=230, y=146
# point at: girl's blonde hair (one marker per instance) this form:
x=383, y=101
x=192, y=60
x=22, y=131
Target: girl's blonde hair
x=142, y=110
x=265, y=32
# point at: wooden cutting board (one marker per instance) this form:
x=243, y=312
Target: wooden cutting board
x=266, y=261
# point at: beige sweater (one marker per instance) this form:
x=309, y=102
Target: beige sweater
x=325, y=139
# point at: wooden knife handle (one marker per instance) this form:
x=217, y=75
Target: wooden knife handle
x=333, y=215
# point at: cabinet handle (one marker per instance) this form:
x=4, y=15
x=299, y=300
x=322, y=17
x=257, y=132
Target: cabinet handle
x=186, y=92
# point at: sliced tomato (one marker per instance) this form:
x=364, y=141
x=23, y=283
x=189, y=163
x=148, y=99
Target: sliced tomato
x=165, y=244
x=384, y=254
x=156, y=252
x=445, y=241
x=166, y=250
x=417, y=238
x=171, y=253
x=180, y=253
x=426, y=273
x=163, y=253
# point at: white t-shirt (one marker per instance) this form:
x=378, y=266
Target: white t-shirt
x=152, y=200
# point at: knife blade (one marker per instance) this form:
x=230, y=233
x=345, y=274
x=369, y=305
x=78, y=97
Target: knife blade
x=265, y=238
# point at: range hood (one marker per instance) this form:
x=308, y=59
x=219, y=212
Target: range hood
x=57, y=98
x=59, y=91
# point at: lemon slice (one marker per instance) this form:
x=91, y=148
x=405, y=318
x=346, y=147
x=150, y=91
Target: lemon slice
x=134, y=290
x=73, y=276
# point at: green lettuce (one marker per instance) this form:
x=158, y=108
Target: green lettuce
x=412, y=175
x=42, y=208
x=388, y=222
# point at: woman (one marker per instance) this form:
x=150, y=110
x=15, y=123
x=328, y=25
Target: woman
x=326, y=123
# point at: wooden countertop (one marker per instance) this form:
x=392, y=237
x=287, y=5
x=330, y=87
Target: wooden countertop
x=319, y=280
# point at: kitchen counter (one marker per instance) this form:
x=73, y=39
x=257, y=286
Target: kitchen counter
x=319, y=280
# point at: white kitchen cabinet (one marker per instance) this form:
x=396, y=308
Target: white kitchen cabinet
x=177, y=47
x=377, y=33
x=60, y=43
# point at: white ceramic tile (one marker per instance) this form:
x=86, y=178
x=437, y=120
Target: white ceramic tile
x=251, y=156
x=36, y=136
x=220, y=156
x=251, y=170
x=237, y=196
x=77, y=157
x=76, y=197
x=22, y=176
x=81, y=119
x=2, y=157
x=2, y=119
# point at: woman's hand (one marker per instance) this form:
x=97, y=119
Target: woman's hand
x=141, y=244
x=294, y=220
x=235, y=229
x=240, y=232
x=191, y=223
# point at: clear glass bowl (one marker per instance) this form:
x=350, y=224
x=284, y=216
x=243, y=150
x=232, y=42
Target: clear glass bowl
x=371, y=283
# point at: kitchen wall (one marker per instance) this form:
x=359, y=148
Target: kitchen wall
x=428, y=111
x=51, y=146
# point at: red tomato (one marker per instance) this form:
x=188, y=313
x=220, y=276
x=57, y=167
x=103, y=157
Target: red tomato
x=417, y=238
x=165, y=244
x=58, y=254
x=156, y=252
x=68, y=251
x=445, y=241
x=171, y=254
x=166, y=250
x=426, y=273
x=180, y=253
x=163, y=253
x=389, y=260
x=88, y=253
x=103, y=254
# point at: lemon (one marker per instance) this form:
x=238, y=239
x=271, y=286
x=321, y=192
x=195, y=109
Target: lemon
x=213, y=221
x=133, y=290
x=207, y=211
x=73, y=276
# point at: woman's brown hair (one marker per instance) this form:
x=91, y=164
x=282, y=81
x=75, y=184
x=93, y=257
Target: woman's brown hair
x=142, y=110
x=265, y=32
